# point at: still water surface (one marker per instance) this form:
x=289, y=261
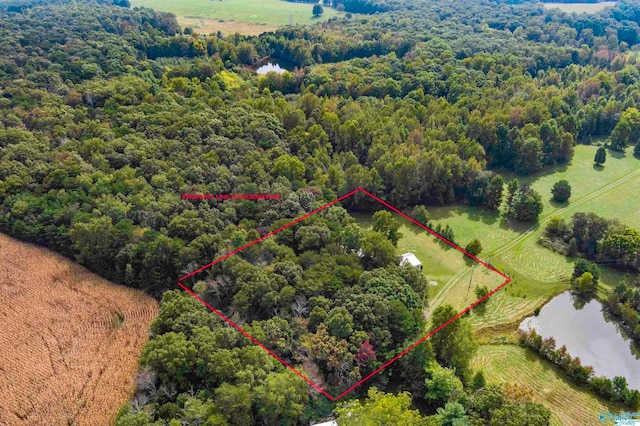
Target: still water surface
x=270, y=66
x=588, y=334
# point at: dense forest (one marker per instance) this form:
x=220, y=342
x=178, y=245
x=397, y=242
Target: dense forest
x=109, y=114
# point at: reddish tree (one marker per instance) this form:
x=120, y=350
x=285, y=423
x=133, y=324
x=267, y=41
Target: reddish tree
x=366, y=354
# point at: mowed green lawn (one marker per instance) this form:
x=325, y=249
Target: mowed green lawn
x=569, y=404
x=537, y=273
x=453, y=277
x=270, y=12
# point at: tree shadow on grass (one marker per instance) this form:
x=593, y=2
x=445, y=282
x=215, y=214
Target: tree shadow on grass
x=480, y=309
x=533, y=177
x=479, y=214
x=617, y=154
x=520, y=227
x=445, y=245
x=469, y=261
x=558, y=204
x=598, y=167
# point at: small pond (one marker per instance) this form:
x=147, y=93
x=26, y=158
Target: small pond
x=589, y=334
x=275, y=65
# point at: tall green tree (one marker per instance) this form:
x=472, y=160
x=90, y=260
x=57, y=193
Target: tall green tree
x=601, y=156
x=281, y=398
x=379, y=408
x=494, y=192
x=561, y=191
x=377, y=249
x=384, y=222
x=454, y=345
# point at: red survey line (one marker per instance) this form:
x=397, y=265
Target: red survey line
x=202, y=268
x=241, y=330
x=410, y=348
x=386, y=364
x=457, y=247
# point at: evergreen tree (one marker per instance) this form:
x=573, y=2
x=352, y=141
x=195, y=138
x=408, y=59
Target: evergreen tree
x=601, y=156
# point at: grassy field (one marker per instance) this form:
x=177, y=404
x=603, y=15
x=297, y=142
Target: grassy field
x=539, y=273
x=69, y=340
x=580, y=7
x=453, y=277
x=244, y=16
x=569, y=404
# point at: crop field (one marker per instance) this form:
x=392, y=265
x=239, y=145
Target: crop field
x=580, y=7
x=243, y=16
x=569, y=404
x=69, y=341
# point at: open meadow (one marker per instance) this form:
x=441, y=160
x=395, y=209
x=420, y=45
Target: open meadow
x=453, y=277
x=69, y=341
x=569, y=404
x=249, y=17
x=537, y=272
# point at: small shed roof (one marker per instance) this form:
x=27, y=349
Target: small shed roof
x=411, y=259
x=329, y=423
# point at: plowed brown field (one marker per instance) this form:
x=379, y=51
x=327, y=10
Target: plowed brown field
x=69, y=340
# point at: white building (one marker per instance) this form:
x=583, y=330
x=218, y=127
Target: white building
x=329, y=423
x=411, y=259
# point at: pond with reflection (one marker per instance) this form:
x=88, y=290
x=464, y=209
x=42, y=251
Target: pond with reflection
x=589, y=334
x=275, y=65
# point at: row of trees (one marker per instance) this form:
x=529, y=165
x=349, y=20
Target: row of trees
x=615, y=390
x=596, y=238
x=624, y=304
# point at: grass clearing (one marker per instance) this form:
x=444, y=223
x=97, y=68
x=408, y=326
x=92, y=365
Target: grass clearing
x=456, y=276
x=249, y=17
x=580, y=7
x=569, y=404
x=539, y=273
x=212, y=26
x=70, y=341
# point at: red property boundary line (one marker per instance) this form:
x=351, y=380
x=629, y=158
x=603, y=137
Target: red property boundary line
x=389, y=362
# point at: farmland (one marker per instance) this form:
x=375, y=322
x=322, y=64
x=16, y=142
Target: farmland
x=243, y=16
x=70, y=340
x=537, y=272
x=580, y=7
x=569, y=404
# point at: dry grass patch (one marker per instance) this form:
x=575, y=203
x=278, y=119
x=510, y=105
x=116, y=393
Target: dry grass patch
x=69, y=340
x=208, y=26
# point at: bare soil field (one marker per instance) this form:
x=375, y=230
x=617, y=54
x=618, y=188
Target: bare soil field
x=69, y=340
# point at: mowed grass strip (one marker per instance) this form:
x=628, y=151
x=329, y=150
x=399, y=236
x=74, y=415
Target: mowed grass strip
x=69, y=340
x=453, y=277
x=273, y=13
x=538, y=273
x=569, y=404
